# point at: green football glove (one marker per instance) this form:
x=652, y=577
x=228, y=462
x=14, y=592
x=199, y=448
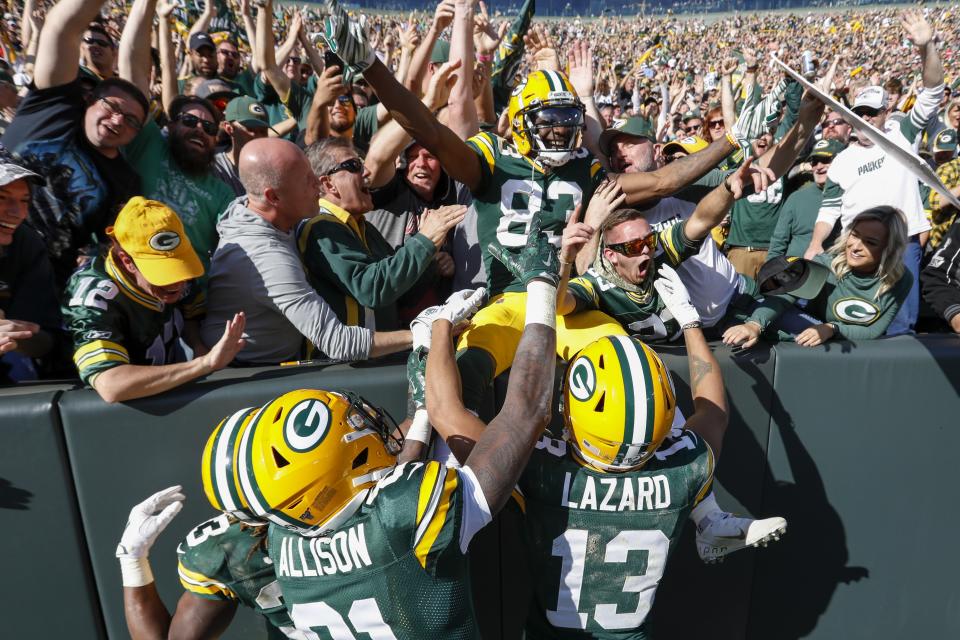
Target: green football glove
x=537, y=260
x=416, y=376
x=347, y=39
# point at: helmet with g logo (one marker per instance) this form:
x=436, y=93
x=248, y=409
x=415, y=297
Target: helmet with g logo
x=618, y=403
x=546, y=100
x=309, y=457
x=219, y=466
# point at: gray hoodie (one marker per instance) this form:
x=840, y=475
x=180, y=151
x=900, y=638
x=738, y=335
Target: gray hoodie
x=256, y=269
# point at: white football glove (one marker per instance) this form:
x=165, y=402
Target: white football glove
x=147, y=520
x=675, y=296
x=458, y=308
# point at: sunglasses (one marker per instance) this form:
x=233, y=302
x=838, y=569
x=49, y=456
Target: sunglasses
x=867, y=111
x=836, y=122
x=715, y=124
x=344, y=99
x=815, y=161
x=634, y=247
x=106, y=44
x=353, y=165
x=294, y=60
x=115, y=111
x=690, y=128
x=191, y=121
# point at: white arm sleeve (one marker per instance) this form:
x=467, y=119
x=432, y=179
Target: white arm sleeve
x=476, y=512
x=287, y=288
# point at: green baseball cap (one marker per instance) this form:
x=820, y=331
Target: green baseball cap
x=247, y=112
x=826, y=149
x=441, y=52
x=946, y=140
x=636, y=126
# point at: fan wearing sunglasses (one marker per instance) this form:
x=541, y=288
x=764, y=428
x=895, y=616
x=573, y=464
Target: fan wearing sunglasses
x=98, y=51
x=864, y=175
x=619, y=282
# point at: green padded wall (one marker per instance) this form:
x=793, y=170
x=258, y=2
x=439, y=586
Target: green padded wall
x=123, y=453
x=47, y=576
x=861, y=461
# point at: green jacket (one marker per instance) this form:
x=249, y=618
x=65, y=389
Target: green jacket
x=356, y=271
x=795, y=222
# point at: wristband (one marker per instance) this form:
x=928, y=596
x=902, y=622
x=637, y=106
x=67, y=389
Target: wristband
x=420, y=428
x=696, y=324
x=484, y=57
x=733, y=141
x=541, y=304
x=136, y=572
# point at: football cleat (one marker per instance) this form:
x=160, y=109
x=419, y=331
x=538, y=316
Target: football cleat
x=728, y=533
x=618, y=403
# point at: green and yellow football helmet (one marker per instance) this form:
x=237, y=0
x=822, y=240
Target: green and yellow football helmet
x=618, y=403
x=308, y=459
x=546, y=118
x=218, y=468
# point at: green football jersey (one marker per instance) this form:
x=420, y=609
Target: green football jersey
x=514, y=189
x=396, y=569
x=113, y=322
x=642, y=313
x=599, y=542
x=224, y=560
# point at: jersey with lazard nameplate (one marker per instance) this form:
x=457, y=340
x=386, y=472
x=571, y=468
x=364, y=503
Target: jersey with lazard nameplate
x=395, y=569
x=642, y=313
x=224, y=560
x=513, y=189
x=599, y=542
x=113, y=322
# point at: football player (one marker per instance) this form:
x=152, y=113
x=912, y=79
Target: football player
x=222, y=562
x=541, y=173
x=361, y=545
x=621, y=481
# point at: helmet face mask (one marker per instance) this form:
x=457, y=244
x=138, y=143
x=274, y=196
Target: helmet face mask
x=618, y=404
x=547, y=118
x=308, y=458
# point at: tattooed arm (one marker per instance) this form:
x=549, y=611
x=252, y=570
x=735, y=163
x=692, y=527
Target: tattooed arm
x=709, y=419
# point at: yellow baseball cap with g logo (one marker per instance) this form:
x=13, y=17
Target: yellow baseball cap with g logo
x=152, y=234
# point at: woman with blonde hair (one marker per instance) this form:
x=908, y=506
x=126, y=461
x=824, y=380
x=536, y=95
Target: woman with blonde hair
x=864, y=285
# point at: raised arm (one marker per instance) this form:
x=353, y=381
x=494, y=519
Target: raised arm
x=251, y=30
x=134, y=52
x=462, y=110
x=455, y=424
x=58, y=52
x=712, y=208
x=442, y=18
x=165, y=35
x=287, y=47
x=502, y=451
x=264, y=55
x=203, y=22
x=783, y=154
x=667, y=180
x=390, y=139
x=580, y=64
x=921, y=34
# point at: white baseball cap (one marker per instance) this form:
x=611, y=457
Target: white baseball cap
x=874, y=97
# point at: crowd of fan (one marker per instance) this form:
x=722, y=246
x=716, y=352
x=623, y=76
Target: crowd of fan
x=161, y=174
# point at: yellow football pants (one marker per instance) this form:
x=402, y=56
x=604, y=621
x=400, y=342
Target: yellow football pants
x=497, y=327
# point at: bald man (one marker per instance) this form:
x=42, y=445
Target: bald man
x=256, y=267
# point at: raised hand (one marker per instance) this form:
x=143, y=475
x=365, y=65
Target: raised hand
x=575, y=235
x=607, y=198
x=675, y=296
x=580, y=64
x=347, y=39
x=760, y=177
x=148, y=520
x=537, y=260
x=918, y=29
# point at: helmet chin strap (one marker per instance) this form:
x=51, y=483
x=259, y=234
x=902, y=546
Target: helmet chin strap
x=338, y=518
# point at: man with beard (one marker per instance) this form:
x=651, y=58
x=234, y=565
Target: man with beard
x=121, y=309
x=203, y=57
x=834, y=127
x=795, y=222
x=178, y=169
x=99, y=52
x=230, y=66
x=73, y=145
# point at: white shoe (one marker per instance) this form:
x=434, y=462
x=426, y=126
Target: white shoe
x=728, y=533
